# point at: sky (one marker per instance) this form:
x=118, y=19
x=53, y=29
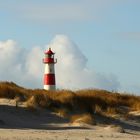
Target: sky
x=97, y=43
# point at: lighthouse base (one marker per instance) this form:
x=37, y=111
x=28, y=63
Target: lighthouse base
x=49, y=87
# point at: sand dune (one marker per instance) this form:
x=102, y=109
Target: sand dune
x=19, y=123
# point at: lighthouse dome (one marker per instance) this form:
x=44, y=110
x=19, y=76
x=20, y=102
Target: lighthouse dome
x=49, y=51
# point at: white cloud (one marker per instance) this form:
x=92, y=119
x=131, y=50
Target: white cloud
x=71, y=70
x=20, y=65
x=25, y=67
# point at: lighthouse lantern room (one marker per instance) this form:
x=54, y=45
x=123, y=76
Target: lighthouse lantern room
x=49, y=74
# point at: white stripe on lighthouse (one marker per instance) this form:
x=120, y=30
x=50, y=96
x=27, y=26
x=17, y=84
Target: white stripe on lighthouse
x=49, y=69
x=49, y=87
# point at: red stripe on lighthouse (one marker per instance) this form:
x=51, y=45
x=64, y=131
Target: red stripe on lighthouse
x=49, y=79
x=48, y=60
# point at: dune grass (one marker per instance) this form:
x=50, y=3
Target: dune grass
x=82, y=118
x=64, y=101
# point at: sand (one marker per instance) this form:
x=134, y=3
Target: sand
x=30, y=134
x=23, y=124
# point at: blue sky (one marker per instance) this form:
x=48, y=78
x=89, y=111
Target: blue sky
x=106, y=31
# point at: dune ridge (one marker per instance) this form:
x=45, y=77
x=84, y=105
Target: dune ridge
x=35, y=111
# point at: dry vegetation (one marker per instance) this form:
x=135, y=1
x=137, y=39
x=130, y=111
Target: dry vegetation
x=82, y=118
x=72, y=102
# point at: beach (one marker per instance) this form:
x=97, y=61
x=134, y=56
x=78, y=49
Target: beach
x=18, y=123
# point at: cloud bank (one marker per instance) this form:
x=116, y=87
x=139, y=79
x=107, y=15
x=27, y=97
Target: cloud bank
x=72, y=71
x=20, y=65
x=25, y=67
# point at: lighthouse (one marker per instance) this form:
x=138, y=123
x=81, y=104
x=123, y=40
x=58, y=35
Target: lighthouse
x=49, y=74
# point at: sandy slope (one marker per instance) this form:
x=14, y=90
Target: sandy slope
x=22, y=124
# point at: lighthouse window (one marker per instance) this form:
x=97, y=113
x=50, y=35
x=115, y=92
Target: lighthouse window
x=49, y=55
x=50, y=70
x=46, y=55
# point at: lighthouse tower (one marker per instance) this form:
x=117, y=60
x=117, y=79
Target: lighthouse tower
x=49, y=75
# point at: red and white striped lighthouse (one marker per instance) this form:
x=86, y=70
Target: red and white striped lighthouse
x=49, y=75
